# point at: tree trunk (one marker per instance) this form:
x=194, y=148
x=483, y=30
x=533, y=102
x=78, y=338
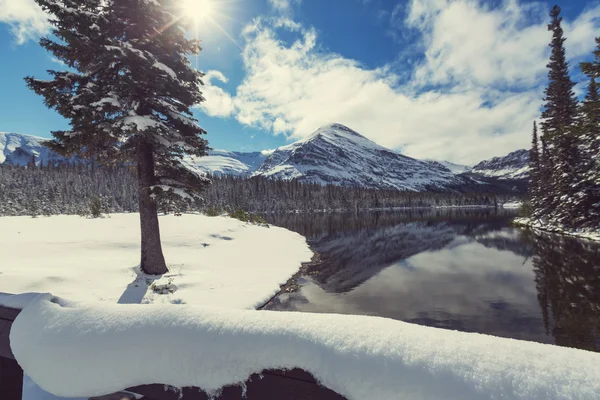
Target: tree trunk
x=153, y=260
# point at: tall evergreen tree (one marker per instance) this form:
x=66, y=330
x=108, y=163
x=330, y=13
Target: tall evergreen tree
x=129, y=97
x=534, y=174
x=560, y=108
x=560, y=112
x=590, y=108
x=589, y=136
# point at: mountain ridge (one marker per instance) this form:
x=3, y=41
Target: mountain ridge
x=515, y=165
x=19, y=149
x=334, y=154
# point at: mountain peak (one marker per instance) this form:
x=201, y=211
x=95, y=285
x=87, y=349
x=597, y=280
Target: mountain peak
x=338, y=155
x=338, y=129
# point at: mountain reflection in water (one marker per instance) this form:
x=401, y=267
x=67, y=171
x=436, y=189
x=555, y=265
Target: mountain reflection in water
x=463, y=269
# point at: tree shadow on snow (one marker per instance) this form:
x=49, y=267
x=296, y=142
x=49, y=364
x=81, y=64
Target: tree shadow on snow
x=136, y=290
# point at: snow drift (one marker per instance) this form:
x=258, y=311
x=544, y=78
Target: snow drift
x=77, y=350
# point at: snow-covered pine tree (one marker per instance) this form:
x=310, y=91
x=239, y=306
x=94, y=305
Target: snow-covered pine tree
x=560, y=112
x=592, y=68
x=534, y=174
x=589, y=136
x=128, y=96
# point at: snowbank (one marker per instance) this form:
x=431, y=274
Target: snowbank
x=214, y=261
x=98, y=349
x=539, y=226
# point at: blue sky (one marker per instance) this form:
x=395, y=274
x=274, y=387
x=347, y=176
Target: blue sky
x=460, y=80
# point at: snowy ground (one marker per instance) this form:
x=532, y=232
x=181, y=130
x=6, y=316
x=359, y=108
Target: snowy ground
x=538, y=225
x=214, y=261
x=359, y=357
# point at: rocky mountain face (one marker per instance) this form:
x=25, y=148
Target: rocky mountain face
x=513, y=166
x=454, y=168
x=17, y=149
x=337, y=155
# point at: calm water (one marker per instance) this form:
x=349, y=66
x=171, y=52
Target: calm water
x=467, y=270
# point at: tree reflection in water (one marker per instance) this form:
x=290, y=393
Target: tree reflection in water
x=458, y=269
x=567, y=276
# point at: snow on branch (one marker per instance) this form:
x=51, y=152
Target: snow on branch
x=141, y=123
x=89, y=350
x=162, y=67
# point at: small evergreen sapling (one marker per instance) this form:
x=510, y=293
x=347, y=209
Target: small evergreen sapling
x=96, y=207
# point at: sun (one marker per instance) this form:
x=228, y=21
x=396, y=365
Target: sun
x=198, y=10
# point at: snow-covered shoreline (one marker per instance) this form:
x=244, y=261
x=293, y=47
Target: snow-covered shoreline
x=213, y=261
x=537, y=225
x=359, y=357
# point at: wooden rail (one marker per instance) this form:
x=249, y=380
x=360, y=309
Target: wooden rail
x=281, y=385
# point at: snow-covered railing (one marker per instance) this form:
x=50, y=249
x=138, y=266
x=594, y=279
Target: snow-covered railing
x=11, y=374
x=79, y=350
x=271, y=384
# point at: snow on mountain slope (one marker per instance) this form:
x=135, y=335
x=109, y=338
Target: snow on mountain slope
x=454, y=168
x=18, y=149
x=223, y=162
x=513, y=166
x=333, y=154
x=336, y=154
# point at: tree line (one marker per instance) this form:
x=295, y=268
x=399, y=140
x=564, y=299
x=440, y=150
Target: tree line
x=66, y=189
x=565, y=157
x=77, y=189
x=259, y=194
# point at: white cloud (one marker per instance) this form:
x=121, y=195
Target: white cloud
x=503, y=46
x=218, y=102
x=26, y=19
x=490, y=73
x=284, y=6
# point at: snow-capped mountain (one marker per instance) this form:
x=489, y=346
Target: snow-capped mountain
x=223, y=162
x=18, y=149
x=513, y=166
x=335, y=154
x=454, y=168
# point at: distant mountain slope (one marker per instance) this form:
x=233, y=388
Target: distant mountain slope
x=513, y=166
x=223, y=162
x=18, y=149
x=454, y=168
x=335, y=154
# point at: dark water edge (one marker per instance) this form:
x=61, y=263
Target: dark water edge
x=462, y=269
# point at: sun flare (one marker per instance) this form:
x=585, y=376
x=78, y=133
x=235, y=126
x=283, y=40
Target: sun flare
x=198, y=10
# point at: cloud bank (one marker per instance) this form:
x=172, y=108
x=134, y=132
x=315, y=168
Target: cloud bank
x=26, y=19
x=474, y=95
